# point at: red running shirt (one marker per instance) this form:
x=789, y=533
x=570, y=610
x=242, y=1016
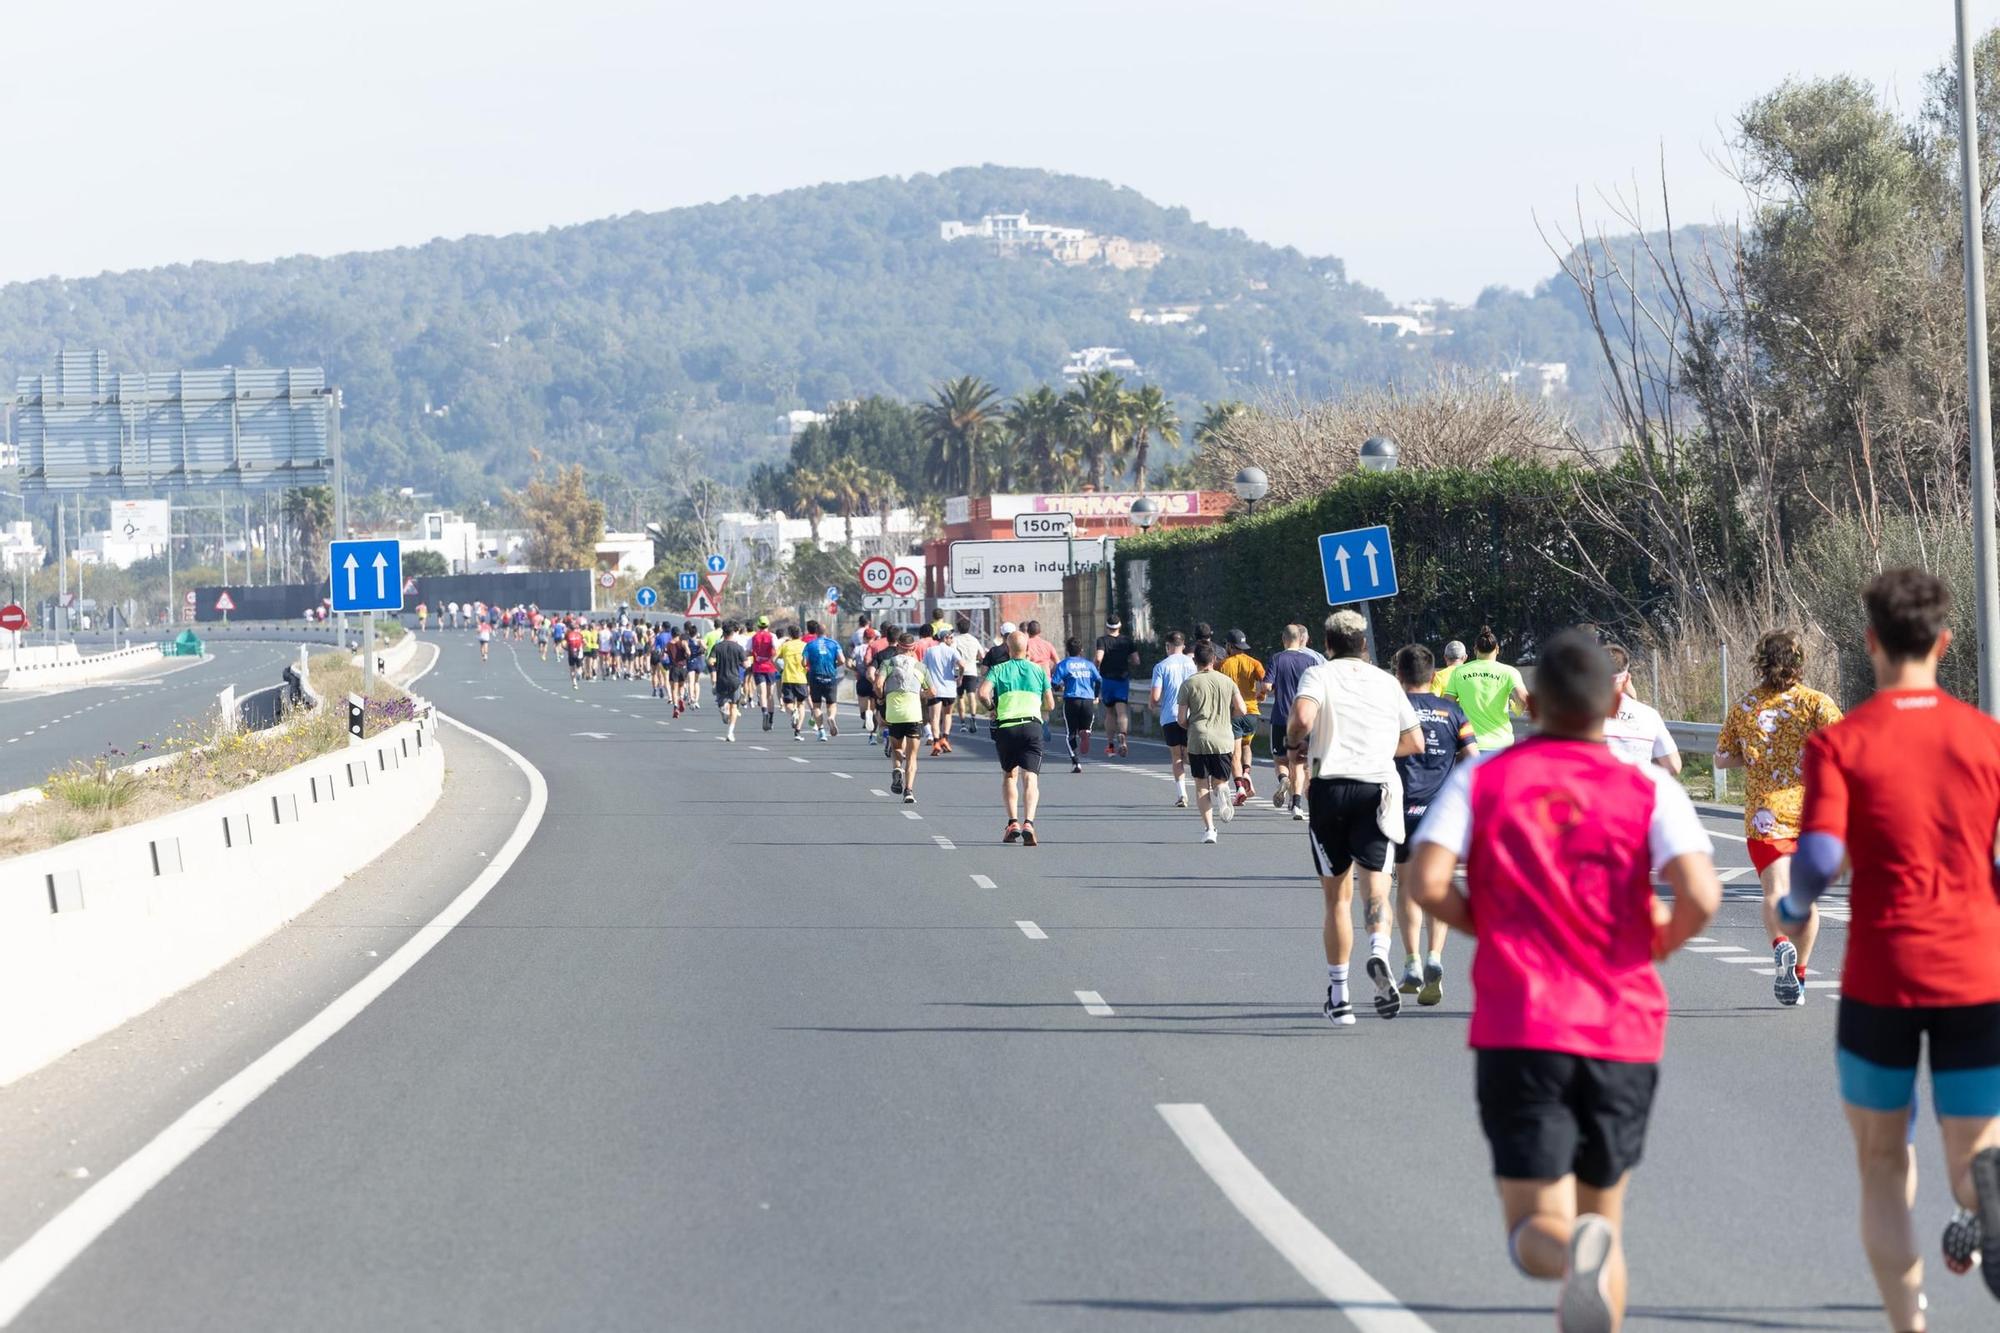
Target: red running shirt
x=764, y=653
x=1910, y=781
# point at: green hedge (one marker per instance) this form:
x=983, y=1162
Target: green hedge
x=1472, y=548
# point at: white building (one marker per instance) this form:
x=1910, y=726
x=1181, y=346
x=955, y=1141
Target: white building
x=1090, y=360
x=1013, y=233
x=766, y=540
x=791, y=423
x=18, y=547
x=1544, y=377
x=625, y=552
x=465, y=549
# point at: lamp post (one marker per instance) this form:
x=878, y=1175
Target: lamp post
x=1251, y=485
x=1985, y=577
x=1378, y=454
x=1146, y=512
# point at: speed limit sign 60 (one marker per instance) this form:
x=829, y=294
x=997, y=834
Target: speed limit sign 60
x=877, y=573
x=903, y=582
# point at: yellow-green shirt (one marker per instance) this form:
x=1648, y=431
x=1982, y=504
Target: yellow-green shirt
x=792, y=662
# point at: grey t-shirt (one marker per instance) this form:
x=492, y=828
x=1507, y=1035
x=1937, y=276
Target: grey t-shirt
x=1207, y=696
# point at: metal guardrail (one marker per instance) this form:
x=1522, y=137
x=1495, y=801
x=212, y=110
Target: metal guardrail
x=1697, y=736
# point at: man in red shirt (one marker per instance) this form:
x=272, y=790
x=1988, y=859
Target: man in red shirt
x=1907, y=788
x=1560, y=840
x=764, y=668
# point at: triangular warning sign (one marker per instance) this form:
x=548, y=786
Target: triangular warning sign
x=717, y=582
x=225, y=603
x=701, y=606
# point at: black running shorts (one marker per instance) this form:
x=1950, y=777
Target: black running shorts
x=823, y=691
x=1548, y=1115
x=725, y=691
x=792, y=694
x=1216, y=767
x=1344, y=828
x=1019, y=746
x=903, y=731
x=1174, y=734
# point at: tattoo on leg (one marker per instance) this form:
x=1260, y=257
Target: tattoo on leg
x=1375, y=913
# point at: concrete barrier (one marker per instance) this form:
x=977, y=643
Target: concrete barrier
x=395, y=657
x=98, y=930
x=67, y=667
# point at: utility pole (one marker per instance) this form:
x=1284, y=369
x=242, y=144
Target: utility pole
x=1979, y=411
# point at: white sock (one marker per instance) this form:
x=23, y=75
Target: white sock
x=1336, y=978
x=1378, y=947
x=1180, y=785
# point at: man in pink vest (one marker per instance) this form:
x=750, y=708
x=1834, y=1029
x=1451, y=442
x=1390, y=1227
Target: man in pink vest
x=1560, y=840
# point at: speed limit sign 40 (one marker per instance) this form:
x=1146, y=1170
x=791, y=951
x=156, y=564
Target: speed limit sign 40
x=877, y=573
x=903, y=581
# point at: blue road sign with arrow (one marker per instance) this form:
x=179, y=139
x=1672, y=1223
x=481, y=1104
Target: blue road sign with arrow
x=366, y=575
x=645, y=597
x=689, y=580
x=1358, y=565
x=718, y=564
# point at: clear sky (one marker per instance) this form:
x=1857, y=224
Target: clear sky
x=1417, y=141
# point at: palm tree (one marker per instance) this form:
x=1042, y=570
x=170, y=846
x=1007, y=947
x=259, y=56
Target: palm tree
x=805, y=497
x=1036, y=428
x=1216, y=420
x=956, y=425
x=845, y=483
x=1097, y=409
x=309, y=510
x=1149, y=413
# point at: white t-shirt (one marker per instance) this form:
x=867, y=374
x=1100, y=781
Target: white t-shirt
x=941, y=669
x=1363, y=712
x=1675, y=829
x=969, y=652
x=1637, y=733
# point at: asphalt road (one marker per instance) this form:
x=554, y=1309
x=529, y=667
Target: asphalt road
x=738, y=1043
x=40, y=731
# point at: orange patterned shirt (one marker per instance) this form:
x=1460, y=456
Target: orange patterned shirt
x=1767, y=730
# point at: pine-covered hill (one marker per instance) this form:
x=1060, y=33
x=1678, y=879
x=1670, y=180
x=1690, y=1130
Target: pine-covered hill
x=609, y=341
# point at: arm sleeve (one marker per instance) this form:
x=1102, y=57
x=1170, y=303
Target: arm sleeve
x=1675, y=829
x=1813, y=868
x=1449, y=820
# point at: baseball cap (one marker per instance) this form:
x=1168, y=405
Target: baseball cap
x=1006, y=627
x=1238, y=639
x=946, y=632
x=763, y=622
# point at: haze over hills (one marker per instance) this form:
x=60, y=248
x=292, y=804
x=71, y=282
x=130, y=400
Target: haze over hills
x=610, y=341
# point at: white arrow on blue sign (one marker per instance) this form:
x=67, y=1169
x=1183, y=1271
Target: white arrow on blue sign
x=1358, y=565
x=832, y=593
x=365, y=575
x=645, y=597
x=689, y=580
x=718, y=564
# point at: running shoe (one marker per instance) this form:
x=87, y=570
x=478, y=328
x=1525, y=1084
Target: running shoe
x=1962, y=1236
x=1028, y=838
x=1208, y=835
x=1412, y=979
x=1432, y=991
x=1388, y=1002
x=1013, y=833
x=1124, y=750
x=1075, y=767
x=822, y=735
x=1340, y=1015
x=1785, y=982
x=769, y=718
x=1281, y=795
x=896, y=782
x=1224, y=808
x=909, y=798
x=946, y=745
x=1180, y=802
x=1584, y=1305
x=833, y=729
x=1298, y=811
x=1243, y=792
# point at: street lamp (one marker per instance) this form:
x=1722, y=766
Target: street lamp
x=1251, y=486
x=1145, y=512
x=1379, y=454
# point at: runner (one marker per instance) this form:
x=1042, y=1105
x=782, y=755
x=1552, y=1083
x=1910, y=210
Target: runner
x=822, y=660
x=1447, y=742
x=1210, y=704
x=1248, y=674
x=697, y=662
x=1454, y=657
x=726, y=661
x=659, y=655
x=763, y=648
x=882, y=644
x=1561, y=842
x=1016, y=692
x=1040, y=651
x=589, y=651
x=969, y=652
x=1489, y=691
x=1765, y=734
x=1922, y=971
x=423, y=617
x=899, y=679
x=941, y=665
x=485, y=640
x=862, y=659
x=1117, y=657
x=1356, y=722
x=679, y=645
x=1168, y=677
x=1280, y=687
x=573, y=650
x=1635, y=731
x=792, y=680
x=1081, y=683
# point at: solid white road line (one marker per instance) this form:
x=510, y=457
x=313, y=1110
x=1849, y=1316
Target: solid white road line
x=1368, y=1305
x=982, y=882
x=1094, y=1005
x=1031, y=930
x=44, y=1255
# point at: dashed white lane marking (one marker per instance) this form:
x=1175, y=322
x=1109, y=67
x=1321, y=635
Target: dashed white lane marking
x=1094, y=1005
x=982, y=881
x=1744, y=958
x=1701, y=939
x=1734, y=873
x=1031, y=930
x=911, y=814
x=877, y=791
x=944, y=843
x=848, y=776
x=795, y=759
x=1715, y=948
x=1368, y=1305
x=761, y=749
x=687, y=728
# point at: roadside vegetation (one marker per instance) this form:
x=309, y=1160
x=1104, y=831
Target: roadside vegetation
x=101, y=794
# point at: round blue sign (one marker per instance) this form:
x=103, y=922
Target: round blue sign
x=646, y=597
